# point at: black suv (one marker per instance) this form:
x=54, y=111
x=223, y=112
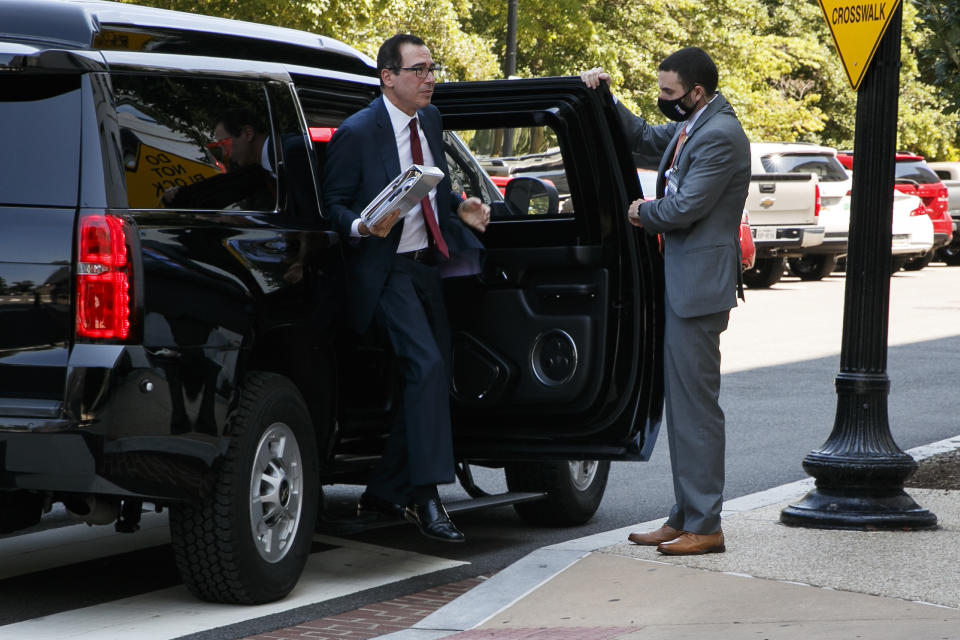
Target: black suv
x=170, y=324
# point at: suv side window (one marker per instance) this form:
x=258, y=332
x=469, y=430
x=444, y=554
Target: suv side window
x=195, y=143
x=326, y=103
x=536, y=155
x=298, y=187
x=467, y=177
x=41, y=139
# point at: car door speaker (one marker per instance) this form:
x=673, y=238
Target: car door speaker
x=554, y=357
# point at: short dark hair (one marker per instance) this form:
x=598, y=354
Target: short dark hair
x=233, y=120
x=693, y=66
x=388, y=57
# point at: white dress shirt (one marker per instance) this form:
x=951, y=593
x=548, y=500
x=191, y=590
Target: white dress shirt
x=414, y=236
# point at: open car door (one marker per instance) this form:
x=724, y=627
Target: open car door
x=557, y=345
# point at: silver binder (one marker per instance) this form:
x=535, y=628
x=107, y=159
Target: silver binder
x=404, y=192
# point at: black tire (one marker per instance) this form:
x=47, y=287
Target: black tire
x=574, y=490
x=214, y=541
x=950, y=254
x=813, y=266
x=916, y=264
x=765, y=273
x=896, y=263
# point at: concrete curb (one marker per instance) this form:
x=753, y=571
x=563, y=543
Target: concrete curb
x=530, y=572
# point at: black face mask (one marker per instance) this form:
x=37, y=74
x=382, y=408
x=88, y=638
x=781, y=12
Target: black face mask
x=675, y=109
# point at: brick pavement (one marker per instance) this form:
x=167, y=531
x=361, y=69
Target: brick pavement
x=552, y=633
x=376, y=619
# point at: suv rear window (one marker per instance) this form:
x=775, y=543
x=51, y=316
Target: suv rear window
x=916, y=170
x=195, y=143
x=826, y=167
x=40, y=163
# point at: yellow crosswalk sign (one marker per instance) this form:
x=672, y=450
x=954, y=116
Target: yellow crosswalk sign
x=856, y=27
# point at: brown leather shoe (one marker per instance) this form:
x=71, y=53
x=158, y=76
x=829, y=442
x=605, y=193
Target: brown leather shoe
x=691, y=544
x=653, y=538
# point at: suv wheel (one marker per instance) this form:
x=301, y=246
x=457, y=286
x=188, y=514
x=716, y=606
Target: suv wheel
x=813, y=267
x=766, y=272
x=950, y=254
x=248, y=540
x=918, y=263
x=574, y=490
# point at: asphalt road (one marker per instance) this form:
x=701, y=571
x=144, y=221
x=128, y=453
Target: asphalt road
x=781, y=355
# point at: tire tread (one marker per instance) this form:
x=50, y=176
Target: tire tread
x=208, y=561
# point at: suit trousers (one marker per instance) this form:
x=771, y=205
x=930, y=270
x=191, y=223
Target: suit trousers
x=695, y=421
x=419, y=450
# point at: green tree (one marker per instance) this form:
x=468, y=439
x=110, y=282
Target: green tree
x=777, y=61
x=365, y=24
x=939, y=53
x=925, y=123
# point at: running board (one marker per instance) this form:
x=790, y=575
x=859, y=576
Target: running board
x=494, y=500
x=342, y=519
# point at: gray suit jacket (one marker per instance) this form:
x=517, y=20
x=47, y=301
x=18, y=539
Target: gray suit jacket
x=700, y=223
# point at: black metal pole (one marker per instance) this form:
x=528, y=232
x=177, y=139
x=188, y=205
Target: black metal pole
x=859, y=470
x=510, y=66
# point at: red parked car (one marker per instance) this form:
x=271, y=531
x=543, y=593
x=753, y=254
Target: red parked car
x=913, y=176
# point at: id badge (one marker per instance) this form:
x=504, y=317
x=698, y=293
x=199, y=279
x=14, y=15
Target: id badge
x=673, y=182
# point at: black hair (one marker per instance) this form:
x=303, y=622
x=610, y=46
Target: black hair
x=388, y=57
x=233, y=120
x=693, y=66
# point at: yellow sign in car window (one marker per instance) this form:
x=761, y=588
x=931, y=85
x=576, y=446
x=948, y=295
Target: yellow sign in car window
x=156, y=171
x=856, y=27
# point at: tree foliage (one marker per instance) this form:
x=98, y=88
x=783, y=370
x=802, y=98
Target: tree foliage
x=938, y=52
x=777, y=62
x=365, y=24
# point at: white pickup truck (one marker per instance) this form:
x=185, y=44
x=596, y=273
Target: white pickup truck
x=949, y=172
x=784, y=206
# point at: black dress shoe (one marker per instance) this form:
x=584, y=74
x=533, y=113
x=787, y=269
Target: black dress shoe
x=433, y=521
x=370, y=503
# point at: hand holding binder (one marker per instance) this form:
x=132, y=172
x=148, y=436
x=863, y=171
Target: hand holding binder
x=402, y=194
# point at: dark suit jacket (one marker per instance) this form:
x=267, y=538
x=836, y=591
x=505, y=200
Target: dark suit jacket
x=361, y=160
x=253, y=187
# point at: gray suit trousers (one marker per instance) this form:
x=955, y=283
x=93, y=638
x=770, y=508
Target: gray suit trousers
x=695, y=423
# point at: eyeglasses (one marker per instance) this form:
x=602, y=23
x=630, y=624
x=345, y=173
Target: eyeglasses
x=221, y=149
x=422, y=71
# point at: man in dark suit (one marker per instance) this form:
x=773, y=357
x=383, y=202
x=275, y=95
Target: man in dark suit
x=395, y=269
x=703, y=162
x=249, y=182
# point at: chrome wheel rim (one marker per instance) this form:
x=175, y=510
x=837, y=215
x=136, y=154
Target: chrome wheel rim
x=276, y=492
x=582, y=473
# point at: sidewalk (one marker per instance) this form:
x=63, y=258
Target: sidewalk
x=774, y=582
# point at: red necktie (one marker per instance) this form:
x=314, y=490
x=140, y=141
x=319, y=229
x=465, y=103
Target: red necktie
x=436, y=238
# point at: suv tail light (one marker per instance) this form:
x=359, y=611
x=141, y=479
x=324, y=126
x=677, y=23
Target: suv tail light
x=321, y=134
x=816, y=204
x=942, y=198
x=934, y=196
x=103, y=279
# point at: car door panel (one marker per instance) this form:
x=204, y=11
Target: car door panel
x=548, y=319
x=558, y=339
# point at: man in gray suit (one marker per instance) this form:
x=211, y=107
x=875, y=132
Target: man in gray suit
x=703, y=161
